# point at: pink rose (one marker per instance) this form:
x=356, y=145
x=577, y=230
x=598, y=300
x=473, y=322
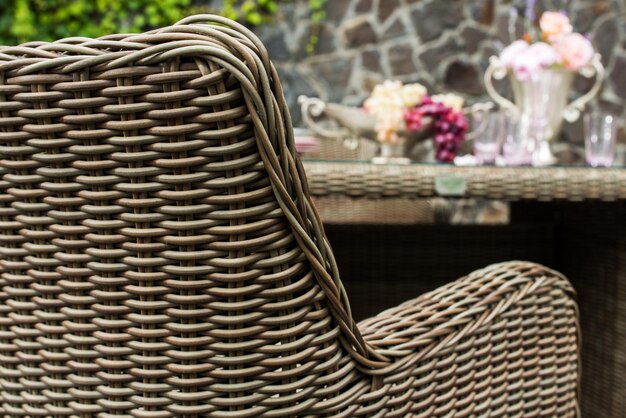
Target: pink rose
x=544, y=53
x=554, y=25
x=575, y=50
x=508, y=55
x=530, y=62
x=526, y=66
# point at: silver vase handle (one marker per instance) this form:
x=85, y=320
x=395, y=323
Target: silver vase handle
x=497, y=71
x=313, y=108
x=595, y=68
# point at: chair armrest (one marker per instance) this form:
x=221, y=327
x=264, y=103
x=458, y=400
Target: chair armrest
x=516, y=303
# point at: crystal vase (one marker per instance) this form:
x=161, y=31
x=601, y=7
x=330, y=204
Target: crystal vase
x=541, y=103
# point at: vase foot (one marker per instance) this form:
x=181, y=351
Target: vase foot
x=543, y=156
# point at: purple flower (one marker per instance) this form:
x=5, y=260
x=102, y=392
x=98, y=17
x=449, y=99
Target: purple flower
x=450, y=126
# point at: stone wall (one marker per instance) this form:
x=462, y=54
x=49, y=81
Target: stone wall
x=444, y=44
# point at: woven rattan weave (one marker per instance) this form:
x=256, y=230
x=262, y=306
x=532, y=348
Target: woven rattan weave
x=358, y=179
x=160, y=257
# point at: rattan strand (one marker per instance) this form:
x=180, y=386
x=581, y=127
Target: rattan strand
x=160, y=257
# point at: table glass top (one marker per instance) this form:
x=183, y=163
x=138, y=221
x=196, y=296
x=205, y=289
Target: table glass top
x=616, y=166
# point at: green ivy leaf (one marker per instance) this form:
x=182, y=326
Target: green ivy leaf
x=255, y=18
x=45, y=20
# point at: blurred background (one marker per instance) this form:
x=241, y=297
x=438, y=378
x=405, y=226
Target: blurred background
x=339, y=49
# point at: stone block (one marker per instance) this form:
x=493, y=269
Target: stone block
x=386, y=8
x=432, y=57
x=334, y=74
x=364, y=6
x=472, y=37
x=401, y=59
x=464, y=77
x=336, y=10
x=370, y=60
x=431, y=19
x=358, y=32
x=395, y=29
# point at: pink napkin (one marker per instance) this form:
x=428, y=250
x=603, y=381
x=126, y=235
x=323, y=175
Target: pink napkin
x=306, y=143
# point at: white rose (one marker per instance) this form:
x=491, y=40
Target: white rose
x=412, y=94
x=450, y=100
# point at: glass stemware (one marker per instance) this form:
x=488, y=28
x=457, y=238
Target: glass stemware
x=600, y=138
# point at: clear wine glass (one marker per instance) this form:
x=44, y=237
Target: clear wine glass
x=600, y=138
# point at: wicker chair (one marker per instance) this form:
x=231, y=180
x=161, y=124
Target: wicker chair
x=160, y=257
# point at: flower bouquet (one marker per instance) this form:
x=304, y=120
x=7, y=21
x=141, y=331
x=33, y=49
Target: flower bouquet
x=399, y=107
x=541, y=67
x=551, y=45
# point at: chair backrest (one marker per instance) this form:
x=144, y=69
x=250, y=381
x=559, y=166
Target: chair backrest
x=157, y=236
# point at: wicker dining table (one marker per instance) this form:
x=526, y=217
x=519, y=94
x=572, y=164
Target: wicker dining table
x=572, y=218
x=364, y=179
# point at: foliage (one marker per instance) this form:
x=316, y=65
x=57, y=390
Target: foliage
x=252, y=12
x=46, y=20
x=318, y=14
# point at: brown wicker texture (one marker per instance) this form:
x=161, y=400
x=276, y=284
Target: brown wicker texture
x=508, y=183
x=336, y=209
x=351, y=149
x=161, y=258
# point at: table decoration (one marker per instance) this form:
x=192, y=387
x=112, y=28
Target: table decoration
x=498, y=139
x=487, y=134
x=517, y=147
x=600, y=138
x=354, y=124
x=398, y=117
x=397, y=106
x=541, y=68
